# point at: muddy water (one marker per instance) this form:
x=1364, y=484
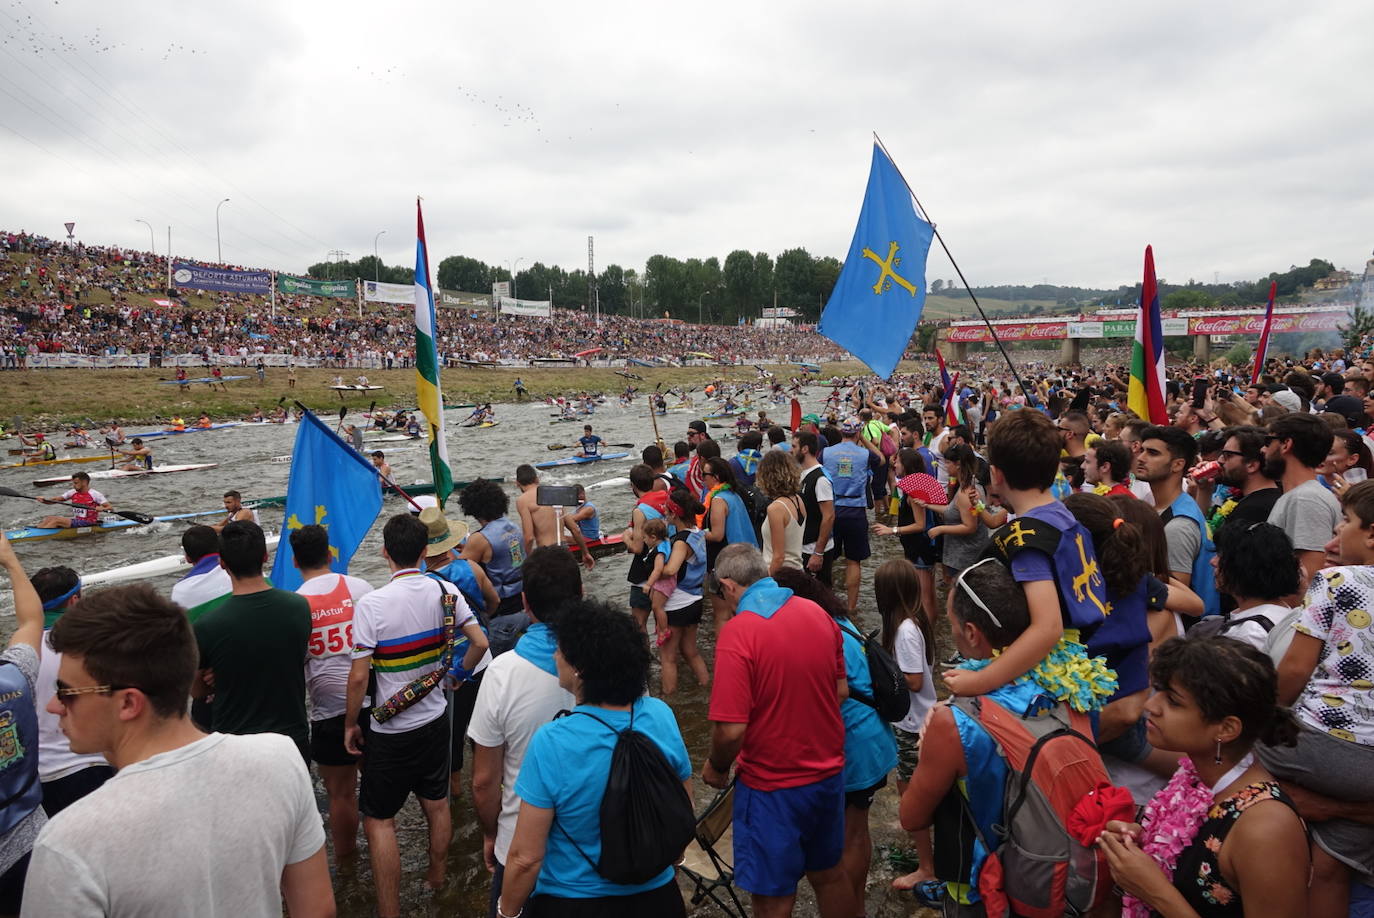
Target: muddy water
x=245, y=463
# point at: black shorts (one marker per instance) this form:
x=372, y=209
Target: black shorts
x=687, y=615
x=827, y=562
x=397, y=764
x=327, y=741
x=662, y=902
x=863, y=799
x=851, y=533
x=640, y=599
x=460, y=706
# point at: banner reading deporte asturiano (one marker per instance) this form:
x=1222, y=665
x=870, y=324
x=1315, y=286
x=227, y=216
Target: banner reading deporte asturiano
x=309, y=286
x=223, y=280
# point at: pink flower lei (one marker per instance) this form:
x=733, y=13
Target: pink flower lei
x=1171, y=822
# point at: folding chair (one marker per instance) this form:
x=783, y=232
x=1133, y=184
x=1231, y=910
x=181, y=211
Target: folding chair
x=713, y=874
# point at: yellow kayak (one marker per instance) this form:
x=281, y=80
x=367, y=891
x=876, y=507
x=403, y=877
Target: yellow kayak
x=61, y=461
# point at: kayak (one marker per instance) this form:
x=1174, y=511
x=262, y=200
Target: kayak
x=728, y=416
x=59, y=461
x=208, y=380
x=482, y=425
x=157, y=567
x=120, y=473
x=578, y=460
x=35, y=533
x=153, y=434
x=600, y=548
x=356, y=388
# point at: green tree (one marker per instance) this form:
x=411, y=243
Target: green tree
x=764, y=284
x=825, y=272
x=458, y=272
x=937, y=285
x=738, y=276
x=1188, y=299
x=612, y=291
x=795, y=280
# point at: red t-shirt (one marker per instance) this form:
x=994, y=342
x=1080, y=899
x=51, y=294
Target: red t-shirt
x=778, y=675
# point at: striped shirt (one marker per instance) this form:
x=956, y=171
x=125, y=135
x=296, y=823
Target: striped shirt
x=400, y=627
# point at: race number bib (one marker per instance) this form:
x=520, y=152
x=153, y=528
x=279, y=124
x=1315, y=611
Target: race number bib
x=331, y=622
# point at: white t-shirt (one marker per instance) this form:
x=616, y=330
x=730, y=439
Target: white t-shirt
x=55, y=756
x=825, y=491
x=154, y=840
x=515, y=699
x=1244, y=627
x=1141, y=489
x=400, y=626
x=910, y=645
x=331, y=597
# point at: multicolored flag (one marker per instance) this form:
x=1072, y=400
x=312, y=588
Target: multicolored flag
x=944, y=373
x=1145, y=394
x=1262, y=352
x=427, y=390
x=881, y=291
x=333, y=485
x=954, y=412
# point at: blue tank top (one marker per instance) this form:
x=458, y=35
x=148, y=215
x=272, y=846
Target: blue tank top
x=591, y=528
x=20, y=790
x=690, y=576
x=460, y=574
x=738, y=526
x=507, y=554
x=847, y=466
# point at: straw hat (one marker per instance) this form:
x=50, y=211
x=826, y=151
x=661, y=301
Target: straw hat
x=443, y=533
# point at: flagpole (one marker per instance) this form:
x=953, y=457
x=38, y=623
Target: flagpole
x=925, y=215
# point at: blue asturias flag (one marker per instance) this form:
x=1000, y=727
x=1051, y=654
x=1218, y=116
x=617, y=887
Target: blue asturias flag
x=333, y=485
x=878, y=298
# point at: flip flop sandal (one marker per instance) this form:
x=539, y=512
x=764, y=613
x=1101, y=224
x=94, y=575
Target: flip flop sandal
x=930, y=893
x=663, y=636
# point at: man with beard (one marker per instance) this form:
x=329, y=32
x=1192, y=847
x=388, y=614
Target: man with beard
x=1243, y=467
x=1166, y=454
x=1295, y=445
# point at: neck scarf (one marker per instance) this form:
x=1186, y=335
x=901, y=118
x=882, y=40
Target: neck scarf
x=537, y=645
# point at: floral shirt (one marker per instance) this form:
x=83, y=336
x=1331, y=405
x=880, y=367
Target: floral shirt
x=1198, y=874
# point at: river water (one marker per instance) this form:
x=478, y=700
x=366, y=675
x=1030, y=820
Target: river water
x=245, y=463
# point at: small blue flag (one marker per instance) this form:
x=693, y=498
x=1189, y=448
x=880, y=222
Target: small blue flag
x=881, y=291
x=333, y=485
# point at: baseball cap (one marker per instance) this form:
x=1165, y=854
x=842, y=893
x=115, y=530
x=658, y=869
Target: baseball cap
x=1288, y=399
x=697, y=426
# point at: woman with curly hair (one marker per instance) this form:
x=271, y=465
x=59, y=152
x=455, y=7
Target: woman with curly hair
x=779, y=477
x=1222, y=838
x=603, y=660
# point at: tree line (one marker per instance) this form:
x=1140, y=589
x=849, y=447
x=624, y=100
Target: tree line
x=748, y=282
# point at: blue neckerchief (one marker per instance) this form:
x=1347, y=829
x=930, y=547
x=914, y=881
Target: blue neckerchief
x=206, y=564
x=764, y=597
x=537, y=645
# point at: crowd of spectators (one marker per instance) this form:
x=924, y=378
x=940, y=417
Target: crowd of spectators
x=104, y=300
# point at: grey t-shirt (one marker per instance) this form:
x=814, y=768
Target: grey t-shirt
x=1185, y=541
x=17, y=842
x=1309, y=514
x=205, y=830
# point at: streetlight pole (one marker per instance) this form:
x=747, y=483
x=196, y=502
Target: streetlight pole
x=151, y=246
x=376, y=260
x=704, y=295
x=513, y=266
x=219, y=248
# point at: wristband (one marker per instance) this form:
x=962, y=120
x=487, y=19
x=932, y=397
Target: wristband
x=980, y=508
x=501, y=914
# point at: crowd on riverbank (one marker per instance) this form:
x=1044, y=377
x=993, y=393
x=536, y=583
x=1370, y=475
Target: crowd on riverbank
x=47, y=305
x=1226, y=699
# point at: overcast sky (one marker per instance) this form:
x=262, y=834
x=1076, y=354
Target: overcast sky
x=1049, y=141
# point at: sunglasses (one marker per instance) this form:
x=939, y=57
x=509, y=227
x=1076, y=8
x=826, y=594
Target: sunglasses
x=1228, y=453
x=62, y=690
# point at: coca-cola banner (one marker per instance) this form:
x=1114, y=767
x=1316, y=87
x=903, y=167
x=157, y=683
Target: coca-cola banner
x=1253, y=325
x=1025, y=331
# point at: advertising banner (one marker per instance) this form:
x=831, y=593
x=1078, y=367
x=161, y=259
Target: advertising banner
x=1086, y=329
x=455, y=300
x=1254, y=324
x=223, y=280
x=374, y=292
x=1026, y=331
x=309, y=286
x=542, y=308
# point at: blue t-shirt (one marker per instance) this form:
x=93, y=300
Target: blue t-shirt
x=870, y=748
x=591, y=444
x=1124, y=635
x=565, y=770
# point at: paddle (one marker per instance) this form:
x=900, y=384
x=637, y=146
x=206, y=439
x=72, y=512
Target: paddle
x=572, y=445
x=141, y=518
x=343, y=410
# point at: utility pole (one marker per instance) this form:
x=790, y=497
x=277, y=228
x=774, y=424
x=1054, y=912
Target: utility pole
x=335, y=257
x=591, y=279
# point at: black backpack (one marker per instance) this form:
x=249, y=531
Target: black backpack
x=755, y=502
x=891, y=698
x=646, y=816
